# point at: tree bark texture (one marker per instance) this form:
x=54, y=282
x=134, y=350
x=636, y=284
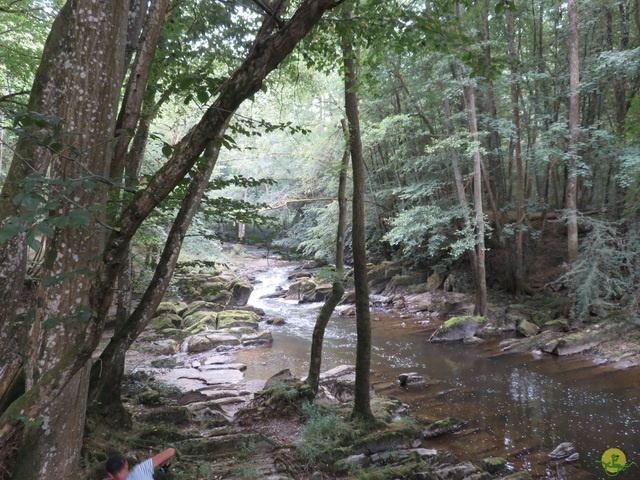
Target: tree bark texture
x=362, y=400
x=86, y=97
x=337, y=288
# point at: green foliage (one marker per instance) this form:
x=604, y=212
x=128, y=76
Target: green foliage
x=607, y=274
x=39, y=198
x=429, y=231
x=324, y=432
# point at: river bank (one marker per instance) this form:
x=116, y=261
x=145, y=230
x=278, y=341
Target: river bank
x=481, y=384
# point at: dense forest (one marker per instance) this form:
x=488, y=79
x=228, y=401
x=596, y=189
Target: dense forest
x=494, y=139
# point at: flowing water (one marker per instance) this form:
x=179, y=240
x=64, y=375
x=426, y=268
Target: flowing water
x=519, y=406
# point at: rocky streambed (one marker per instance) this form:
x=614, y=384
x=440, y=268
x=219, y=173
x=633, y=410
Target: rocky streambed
x=215, y=352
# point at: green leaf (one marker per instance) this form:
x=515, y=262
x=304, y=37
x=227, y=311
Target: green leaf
x=203, y=96
x=167, y=150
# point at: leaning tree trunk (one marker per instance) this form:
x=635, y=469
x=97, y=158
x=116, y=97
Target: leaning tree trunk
x=337, y=288
x=362, y=400
x=269, y=50
x=108, y=371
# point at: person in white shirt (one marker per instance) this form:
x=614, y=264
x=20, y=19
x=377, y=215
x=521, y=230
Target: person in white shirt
x=118, y=467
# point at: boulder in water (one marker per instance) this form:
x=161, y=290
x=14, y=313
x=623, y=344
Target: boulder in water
x=563, y=450
x=458, y=328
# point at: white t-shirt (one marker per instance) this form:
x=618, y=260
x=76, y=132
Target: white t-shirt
x=142, y=471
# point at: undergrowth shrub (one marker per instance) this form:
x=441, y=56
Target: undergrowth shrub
x=323, y=434
x=606, y=275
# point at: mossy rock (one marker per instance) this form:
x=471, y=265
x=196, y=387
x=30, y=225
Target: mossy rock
x=442, y=427
x=201, y=319
x=558, y=325
x=222, y=298
x=263, y=338
x=167, y=307
x=390, y=439
x=237, y=318
x=240, y=292
x=220, y=339
x=239, y=330
x=493, y=465
x=202, y=306
x=434, y=282
x=302, y=290
x=166, y=321
x=166, y=346
x=458, y=328
x=168, y=362
x=216, y=447
x=527, y=328
x=172, y=414
x=198, y=343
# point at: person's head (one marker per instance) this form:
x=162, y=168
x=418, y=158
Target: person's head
x=117, y=467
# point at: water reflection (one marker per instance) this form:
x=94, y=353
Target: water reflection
x=518, y=406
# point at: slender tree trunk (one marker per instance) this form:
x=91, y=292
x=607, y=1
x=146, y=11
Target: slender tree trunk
x=457, y=175
x=519, y=274
x=481, y=307
x=337, y=289
x=107, y=373
x=362, y=400
x=494, y=147
x=131, y=107
x=574, y=134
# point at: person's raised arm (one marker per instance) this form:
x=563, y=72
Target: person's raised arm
x=163, y=457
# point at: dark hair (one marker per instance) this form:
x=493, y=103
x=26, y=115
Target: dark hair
x=115, y=463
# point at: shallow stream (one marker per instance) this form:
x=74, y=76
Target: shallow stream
x=518, y=406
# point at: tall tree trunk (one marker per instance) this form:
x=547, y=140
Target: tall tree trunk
x=337, y=288
x=270, y=48
x=457, y=175
x=86, y=103
x=494, y=148
x=362, y=400
x=481, y=306
x=131, y=107
x=107, y=373
x=574, y=134
x=519, y=274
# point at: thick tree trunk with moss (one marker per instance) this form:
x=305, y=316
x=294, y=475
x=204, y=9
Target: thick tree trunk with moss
x=362, y=400
x=337, y=288
x=86, y=102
